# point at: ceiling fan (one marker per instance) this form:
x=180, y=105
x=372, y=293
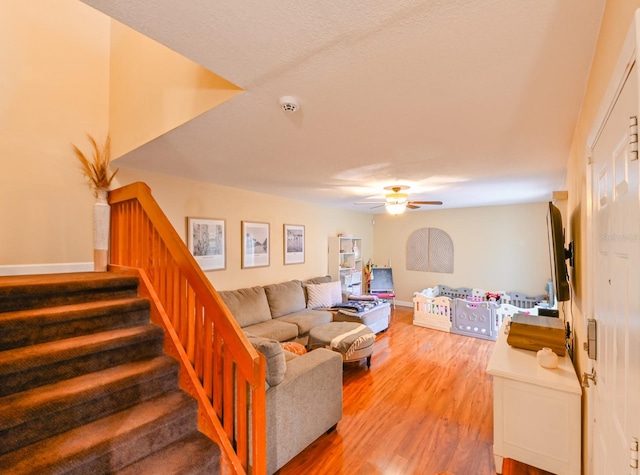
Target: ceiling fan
x=397, y=202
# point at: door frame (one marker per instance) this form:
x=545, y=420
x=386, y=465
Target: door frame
x=627, y=58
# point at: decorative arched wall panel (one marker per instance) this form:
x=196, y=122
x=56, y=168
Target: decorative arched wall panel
x=430, y=250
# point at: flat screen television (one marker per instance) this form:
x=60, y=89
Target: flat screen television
x=381, y=280
x=558, y=256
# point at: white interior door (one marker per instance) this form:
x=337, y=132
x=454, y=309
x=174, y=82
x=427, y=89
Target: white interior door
x=615, y=232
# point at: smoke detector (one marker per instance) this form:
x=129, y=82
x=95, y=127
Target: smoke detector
x=289, y=104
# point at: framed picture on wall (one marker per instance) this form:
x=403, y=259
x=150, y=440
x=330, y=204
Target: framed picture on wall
x=293, y=244
x=255, y=244
x=207, y=243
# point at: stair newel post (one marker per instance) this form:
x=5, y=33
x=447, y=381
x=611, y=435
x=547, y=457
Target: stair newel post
x=101, y=225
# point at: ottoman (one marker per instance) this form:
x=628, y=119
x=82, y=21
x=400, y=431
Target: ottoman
x=354, y=341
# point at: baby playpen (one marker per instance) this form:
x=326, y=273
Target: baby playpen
x=469, y=311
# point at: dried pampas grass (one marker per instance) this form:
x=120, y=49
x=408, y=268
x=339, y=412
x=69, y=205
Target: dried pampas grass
x=96, y=169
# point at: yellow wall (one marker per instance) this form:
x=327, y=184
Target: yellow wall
x=56, y=87
x=66, y=77
x=615, y=24
x=57, y=60
x=65, y=74
x=495, y=248
x=154, y=89
x=180, y=198
x=617, y=18
x=53, y=89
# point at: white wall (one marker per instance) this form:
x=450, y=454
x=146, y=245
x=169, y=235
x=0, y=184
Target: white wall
x=495, y=248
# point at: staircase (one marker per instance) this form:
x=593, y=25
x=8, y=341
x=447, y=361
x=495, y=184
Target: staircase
x=85, y=387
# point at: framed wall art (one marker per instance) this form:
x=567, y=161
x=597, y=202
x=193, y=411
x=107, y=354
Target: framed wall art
x=207, y=243
x=293, y=244
x=255, y=244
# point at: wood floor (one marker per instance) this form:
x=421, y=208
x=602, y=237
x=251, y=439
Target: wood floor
x=424, y=408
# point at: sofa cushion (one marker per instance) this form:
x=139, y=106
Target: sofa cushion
x=274, y=356
x=274, y=329
x=285, y=298
x=305, y=320
x=248, y=306
x=324, y=295
x=319, y=280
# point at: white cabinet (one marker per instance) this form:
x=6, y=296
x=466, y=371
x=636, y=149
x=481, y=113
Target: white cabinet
x=345, y=263
x=536, y=411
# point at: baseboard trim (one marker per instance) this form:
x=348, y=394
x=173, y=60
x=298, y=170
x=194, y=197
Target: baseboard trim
x=401, y=303
x=61, y=268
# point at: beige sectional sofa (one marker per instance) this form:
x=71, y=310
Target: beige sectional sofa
x=304, y=392
x=276, y=311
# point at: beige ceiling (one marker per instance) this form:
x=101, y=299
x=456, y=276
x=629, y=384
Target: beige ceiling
x=472, y=102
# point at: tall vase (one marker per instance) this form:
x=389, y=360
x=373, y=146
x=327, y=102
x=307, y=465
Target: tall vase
x=101, y=222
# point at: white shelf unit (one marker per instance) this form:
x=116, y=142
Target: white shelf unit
x=345, y=263
x=536, y=411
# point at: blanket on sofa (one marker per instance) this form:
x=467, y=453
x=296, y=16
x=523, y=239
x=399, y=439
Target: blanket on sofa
x=349, y=342
x=356, y=307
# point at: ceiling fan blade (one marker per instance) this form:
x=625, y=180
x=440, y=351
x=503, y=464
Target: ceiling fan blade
x=425, y=202
x=412, y=206
x=377, y=206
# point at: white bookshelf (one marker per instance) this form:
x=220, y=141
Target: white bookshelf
x=345, y=262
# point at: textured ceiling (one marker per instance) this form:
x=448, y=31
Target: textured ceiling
x=470, y=102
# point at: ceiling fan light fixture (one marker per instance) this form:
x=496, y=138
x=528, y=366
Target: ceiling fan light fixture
x=397, y=202
x=396, y=198
x=396, y=208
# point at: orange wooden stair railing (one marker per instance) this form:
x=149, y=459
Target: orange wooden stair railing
x=219, y=367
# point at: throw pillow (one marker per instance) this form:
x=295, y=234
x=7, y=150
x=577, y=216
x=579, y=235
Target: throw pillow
x=275, y=358
x=324, y=295
x=316, y=280
x=294, y=347
x=336, y=293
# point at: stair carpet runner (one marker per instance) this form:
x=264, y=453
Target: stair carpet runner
x=85, y=387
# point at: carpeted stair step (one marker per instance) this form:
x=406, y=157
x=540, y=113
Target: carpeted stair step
x=28, y=367
x=42, y=412
x=111, y=443
x=30, y=327
x=37, y=291
x=192, y=455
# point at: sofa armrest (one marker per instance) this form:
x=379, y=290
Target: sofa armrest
x=305, y=405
